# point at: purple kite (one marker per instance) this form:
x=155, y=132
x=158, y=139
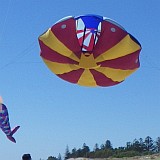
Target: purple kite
x=4, y=123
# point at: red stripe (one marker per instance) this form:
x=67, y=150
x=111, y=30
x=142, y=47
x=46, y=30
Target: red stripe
x=72, y=76
x=83, y=41
x=91, y=43
x=68, y=35
x=79, y=31
x=130, y=61
x=53, y=56
x=80, y=40
x=102, y=80
x=86, y=35
x=107, y=38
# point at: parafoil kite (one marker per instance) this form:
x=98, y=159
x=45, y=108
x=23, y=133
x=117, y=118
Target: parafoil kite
x=90, y=50
x=4, y=123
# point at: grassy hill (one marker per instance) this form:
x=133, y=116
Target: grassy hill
x=147, y=157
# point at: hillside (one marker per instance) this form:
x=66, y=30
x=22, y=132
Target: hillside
x=147, y=157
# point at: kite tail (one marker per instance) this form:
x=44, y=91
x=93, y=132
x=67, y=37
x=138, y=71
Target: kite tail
x=11, y=134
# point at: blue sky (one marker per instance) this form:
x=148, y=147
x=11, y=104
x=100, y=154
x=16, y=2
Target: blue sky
x=53, y=113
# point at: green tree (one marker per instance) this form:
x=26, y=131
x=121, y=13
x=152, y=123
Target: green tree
x=85, y=150
x=67, y=153
x=158, y=144
x=79, y=153
x=149, y=144
x=129, y=146
x=142, y=146
x=52, y=158
x=59, y=157
x=102, y=147
x=96, y=148
x=74, y=153
x=108, y=145
x=136, y=145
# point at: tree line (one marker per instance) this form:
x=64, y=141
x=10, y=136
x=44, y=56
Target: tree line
x=138, y=147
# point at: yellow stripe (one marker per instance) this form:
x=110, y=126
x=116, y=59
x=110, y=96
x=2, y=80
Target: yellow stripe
x=50, y=40
x=59, y=68
x=87, y=79
x=116, y=75
x=124, y=47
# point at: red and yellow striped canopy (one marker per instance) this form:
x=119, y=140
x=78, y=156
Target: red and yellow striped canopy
x=90, y=51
